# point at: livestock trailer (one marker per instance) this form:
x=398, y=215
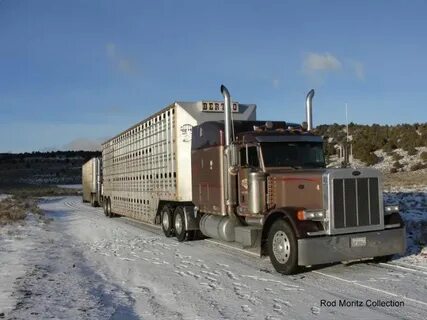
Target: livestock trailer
x=150, y=163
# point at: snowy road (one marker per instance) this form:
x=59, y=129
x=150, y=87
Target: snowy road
x=84, y=265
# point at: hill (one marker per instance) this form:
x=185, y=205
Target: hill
x=396, y=148
x=43, y=168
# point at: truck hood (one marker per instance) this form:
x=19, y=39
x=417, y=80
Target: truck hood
x=296, y=188
x=286, y=171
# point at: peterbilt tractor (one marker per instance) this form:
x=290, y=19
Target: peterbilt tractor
x=210, y=169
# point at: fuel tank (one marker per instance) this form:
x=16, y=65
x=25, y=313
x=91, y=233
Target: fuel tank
x=218, y=227
x=257, y=192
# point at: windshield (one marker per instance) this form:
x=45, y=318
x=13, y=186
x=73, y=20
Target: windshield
x=293, y=154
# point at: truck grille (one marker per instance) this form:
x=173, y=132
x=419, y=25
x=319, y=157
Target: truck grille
x=356, y=202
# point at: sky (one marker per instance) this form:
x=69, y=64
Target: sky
x=74, y=73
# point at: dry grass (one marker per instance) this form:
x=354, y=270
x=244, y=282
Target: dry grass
x=406, y=179
x=16, y=209
x=24, y=200
x=29, y=191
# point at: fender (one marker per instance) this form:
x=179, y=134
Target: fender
x=188, y=212
x=290, y=214
x=192, y=220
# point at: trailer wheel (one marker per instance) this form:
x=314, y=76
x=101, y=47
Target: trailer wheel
x=109, y=211
x=179, y=224
x=166, y=219
x=105, y=206
x=282, y=247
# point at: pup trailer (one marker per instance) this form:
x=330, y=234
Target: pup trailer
x=210, y=169
x=92, y=182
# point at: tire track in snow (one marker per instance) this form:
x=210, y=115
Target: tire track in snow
x=397, y=266
x=355, y=283
x=419, y=269
x=209, y=273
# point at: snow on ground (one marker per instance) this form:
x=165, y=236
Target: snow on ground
x=12, y=246
x=413, y=206
x=407, y=161
x=82, y=265
x=386, y=160
x=47, y=179
x=4, y=196
x=70, y=186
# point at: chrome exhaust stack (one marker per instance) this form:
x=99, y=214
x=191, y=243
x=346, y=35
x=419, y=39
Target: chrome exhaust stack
x=227, y=113
x=231, y=156
x=309, y=109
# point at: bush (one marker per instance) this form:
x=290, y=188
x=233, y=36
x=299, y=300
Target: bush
x=412, y=151
x=396, y=156
x=369, y=158
x=12, y=210
x=393, y=170
x=397, y=165
x=389, y=147
x=418, y=166
x=424, y=156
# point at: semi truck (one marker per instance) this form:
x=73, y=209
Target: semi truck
x=211, y=169
x=92, y=182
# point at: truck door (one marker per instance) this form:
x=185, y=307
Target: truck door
x=249, y=161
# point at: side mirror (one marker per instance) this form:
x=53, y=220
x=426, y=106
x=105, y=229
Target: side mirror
x=233, y=154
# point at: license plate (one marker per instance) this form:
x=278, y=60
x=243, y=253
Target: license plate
x=358, y=242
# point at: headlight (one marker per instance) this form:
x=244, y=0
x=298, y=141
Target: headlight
x=391, y=209
x=318, y=215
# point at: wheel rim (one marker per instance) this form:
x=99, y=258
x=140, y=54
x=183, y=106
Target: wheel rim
x=281, y=247
x=165, y=221
x=178, y=224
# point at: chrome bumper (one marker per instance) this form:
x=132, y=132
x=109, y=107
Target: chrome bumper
x=327, y=249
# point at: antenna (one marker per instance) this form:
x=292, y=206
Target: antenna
x=346, y=119
x=232, y=122
x=348, y=145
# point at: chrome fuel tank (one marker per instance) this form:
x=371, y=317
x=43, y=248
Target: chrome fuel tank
x=257, y=192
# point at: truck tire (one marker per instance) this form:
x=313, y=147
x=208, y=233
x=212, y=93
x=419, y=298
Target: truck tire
x=383, y=259
x=191, y=235
x=179, y=224
x=166, y=216
x=282, y=247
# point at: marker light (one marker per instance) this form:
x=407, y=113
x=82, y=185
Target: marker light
x=391, y=209
x=317, y=215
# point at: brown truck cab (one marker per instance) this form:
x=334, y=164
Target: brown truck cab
x=265, y=185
